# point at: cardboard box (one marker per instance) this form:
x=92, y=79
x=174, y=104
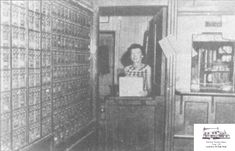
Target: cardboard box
x=130, y=86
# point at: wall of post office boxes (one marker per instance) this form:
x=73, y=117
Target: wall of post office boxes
x=44, y=71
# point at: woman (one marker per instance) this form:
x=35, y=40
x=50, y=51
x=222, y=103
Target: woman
x=138, y=68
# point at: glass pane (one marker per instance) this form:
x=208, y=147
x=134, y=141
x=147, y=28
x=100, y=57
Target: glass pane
x=212, y=66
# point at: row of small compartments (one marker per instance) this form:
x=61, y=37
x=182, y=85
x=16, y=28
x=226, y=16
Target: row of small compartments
x=19, y=95
x=71, y=119
x=69, y=98
x=73, y=14
x=19, y=39
x=19, y=137
x=59, y=73
x=67, y=87
x=70, y=58
x=19, y=78
x=63, y=73
x=19, y=58
x=68, y=28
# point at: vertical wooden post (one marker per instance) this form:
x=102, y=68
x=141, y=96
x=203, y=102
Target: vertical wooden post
x=93, y=68
x=169, y=52
x=172, y=17
x=93, y=58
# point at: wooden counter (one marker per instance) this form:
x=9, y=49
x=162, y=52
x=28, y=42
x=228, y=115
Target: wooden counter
x=198, y=108
x=134, y=123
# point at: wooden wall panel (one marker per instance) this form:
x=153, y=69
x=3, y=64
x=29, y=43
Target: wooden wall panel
x=130, y=127
x=200, y=108
x=179, y=116
x=190, y=110
x=195, y=112
x=182, y=144
x=111, y=122
x=224, y=109
x=224, y=112
x=136, y=128
x=134, y=125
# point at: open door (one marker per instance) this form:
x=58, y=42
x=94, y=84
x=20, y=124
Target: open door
x=155, y=58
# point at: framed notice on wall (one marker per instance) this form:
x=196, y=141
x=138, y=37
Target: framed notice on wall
x=104, y=19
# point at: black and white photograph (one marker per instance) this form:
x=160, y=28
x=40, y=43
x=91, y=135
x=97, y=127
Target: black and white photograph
x=117, y=75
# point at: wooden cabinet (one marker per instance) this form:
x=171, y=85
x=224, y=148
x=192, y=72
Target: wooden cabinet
x=133, y=124
x=200, y=108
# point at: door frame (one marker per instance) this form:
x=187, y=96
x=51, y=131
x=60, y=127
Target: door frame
x=171, y=27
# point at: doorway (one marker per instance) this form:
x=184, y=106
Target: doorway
x=144, y=25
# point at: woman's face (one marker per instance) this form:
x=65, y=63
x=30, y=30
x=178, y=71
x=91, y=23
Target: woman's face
x=136, y=55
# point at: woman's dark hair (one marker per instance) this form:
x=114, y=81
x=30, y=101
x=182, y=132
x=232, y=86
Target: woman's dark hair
x=126, y=60
x=136, y=46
